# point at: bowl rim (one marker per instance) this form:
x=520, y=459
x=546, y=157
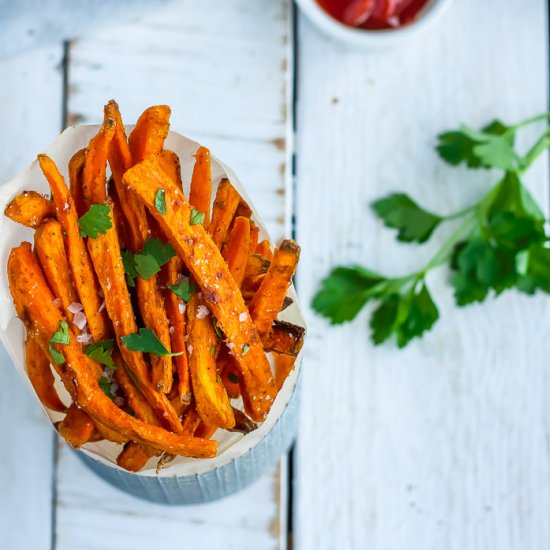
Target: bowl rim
x=371, y=38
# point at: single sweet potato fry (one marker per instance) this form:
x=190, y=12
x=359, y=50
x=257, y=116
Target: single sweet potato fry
x=243, y=424
x=254, y=236
x=264, y=250
x=206, y=431
x=49, y=247
x=285, y=338
x=229, y=373
x=211, y=400
x=283, y=366
x=256, y=268
x=236, y=249
x=147, y=137
x=150, y=298
x=135, y=400
x=76, y=169
x=95, y=163
x=85, y=283
x=175, y=309
x=42, y=318
x=191, y=421
x=268, y=300
x=77, y=427
x=200, y=194
x=109, y=434
x=207, y=266
x=134, y=456
x=225, y=205
x=30, y=208
x=107, y=261
x=40, y=374
x=171, y=164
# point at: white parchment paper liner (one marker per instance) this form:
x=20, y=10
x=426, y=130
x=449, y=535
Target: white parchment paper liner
x=230, y=445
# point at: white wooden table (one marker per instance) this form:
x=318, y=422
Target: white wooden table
x=441, y=446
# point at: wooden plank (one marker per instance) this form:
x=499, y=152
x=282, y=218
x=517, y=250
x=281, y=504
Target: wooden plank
x=443, y=444
x=29, y=121
x=223, y=68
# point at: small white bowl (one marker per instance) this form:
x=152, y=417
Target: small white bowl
x=370, y=39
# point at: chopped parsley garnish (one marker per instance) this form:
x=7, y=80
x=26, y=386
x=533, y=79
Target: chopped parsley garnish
x=160, y=201
x=102, y=352
x=146, y=341
x=196, y=217
x=97, y=220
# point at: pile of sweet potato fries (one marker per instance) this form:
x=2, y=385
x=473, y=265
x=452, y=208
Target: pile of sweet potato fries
x=155, y=310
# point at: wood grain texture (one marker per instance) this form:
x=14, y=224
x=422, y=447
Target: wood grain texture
x=223, y=67
x=444, y=444
x=29, y=123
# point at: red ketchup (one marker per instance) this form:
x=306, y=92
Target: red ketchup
x=373, y=14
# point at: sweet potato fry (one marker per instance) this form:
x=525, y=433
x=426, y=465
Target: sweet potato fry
x=85, y=283
x=50, y=250
x=107, y=261
x=256, y=268
x=40, y=374
x=42, y=318
x=243, y=424
x=175, y=309
x=229, y=373
x=206, y=431
x=225, y=205
x=200, y=194
x=254, y=235
x=191, y=421
x=264, y=250
x=95, y=163
x=203, y=259
x=134, y=456
x=171, y=164
x=268, y=300
x=243, y=209
x=283, y=366
x=285, y=338
x=76, y=169
x=134, y=399
x=77, y=427
x=30, y=208
x=147, y=137
x=150, y=299
x=109, y=434
x=211, y=400
x=236, y=249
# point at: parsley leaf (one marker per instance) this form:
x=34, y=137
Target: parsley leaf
x=407, y=316
x=160, y=201
x=400, y=212
x=101, y=352
x=148, y=262
x=146, y=265
x=97, y=220
x=129, y=267
x=57, y=356
x=196, y=217
x=246, y=347
x=534, y=269
x=105, y=385
x=344, y=293
x=146, y=341
x=492, y=147
x=184, y=289
x=61, y=335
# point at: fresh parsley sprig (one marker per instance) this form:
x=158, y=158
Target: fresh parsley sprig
x=97, y=220
x=501, y=242
x=147, y=262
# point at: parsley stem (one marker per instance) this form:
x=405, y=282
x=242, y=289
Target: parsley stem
x=531, y=120
x=460, y=213
x=538, y=147
x=444, y=253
